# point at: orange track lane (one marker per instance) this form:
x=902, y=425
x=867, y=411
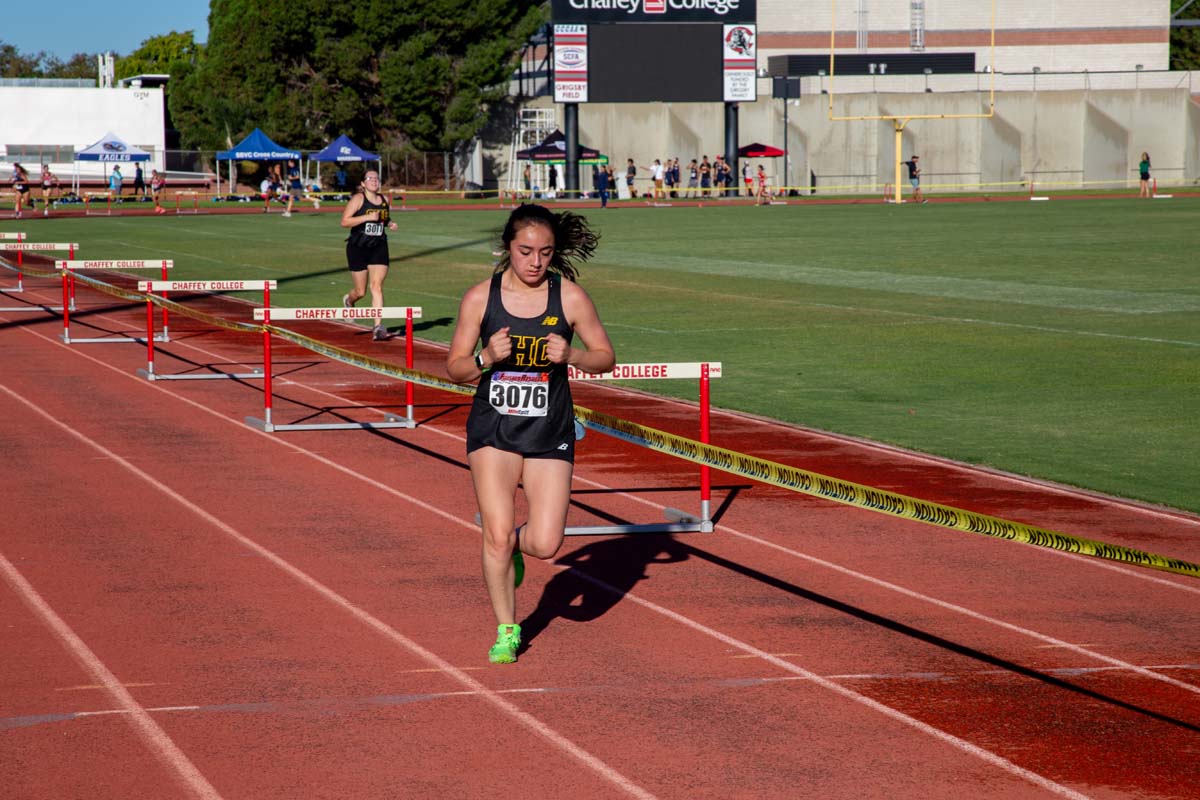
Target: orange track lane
x=193, y=608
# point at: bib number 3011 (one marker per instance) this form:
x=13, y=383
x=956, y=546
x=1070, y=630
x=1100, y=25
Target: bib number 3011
x=520, y=394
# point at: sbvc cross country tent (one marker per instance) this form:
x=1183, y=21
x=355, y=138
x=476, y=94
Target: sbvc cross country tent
x=255, y=147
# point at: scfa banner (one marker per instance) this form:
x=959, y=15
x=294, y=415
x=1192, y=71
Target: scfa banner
x=570, y=64
x=589, y=11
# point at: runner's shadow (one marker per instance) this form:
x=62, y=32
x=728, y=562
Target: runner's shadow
x=598, y=575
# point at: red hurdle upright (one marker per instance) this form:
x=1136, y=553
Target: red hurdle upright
x=340, y=313
x=679, y=521
x=193, y=286
x=68, y=285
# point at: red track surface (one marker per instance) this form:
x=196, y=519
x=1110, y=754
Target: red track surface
x=192, y=608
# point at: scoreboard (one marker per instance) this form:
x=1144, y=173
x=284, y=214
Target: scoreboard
x=637, y=51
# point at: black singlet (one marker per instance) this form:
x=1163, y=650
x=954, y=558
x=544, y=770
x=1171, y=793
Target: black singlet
x=369, y=234
x=526, y=383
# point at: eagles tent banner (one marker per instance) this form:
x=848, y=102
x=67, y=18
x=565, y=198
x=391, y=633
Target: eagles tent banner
x=111, y=148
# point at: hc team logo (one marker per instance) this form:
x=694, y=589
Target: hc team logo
x=114, y=147
x=741, y=41
x=655, y=7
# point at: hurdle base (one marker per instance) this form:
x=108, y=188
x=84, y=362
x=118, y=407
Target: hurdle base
x=1037, y=199
x=1162, y=196
x=104, y=340
x=209, y=376
x=32, y=308
x=17, y=290
x=680, y=522
x=390, y=421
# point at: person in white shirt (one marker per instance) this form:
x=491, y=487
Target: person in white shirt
x=656, y=172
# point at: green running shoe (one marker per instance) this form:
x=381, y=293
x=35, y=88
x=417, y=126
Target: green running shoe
x=508, y=641
x=518, y=568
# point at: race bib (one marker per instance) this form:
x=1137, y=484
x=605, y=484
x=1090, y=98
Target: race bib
x=373, y=229
x=520, y=394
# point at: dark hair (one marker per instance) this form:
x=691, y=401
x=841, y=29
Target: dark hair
x=573, y=238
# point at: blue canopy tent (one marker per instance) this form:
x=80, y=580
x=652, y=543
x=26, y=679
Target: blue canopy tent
x=255, y=147
x=342, y=150
x=110, y=148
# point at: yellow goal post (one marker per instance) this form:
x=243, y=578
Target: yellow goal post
x=900, y=120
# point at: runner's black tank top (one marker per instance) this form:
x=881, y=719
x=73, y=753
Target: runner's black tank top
x=503, y=386
x=369, y=234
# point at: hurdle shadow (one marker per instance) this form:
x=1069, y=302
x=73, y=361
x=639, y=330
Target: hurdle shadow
x=608, y=568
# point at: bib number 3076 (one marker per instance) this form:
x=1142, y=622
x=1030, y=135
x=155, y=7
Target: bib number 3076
x=520, y=394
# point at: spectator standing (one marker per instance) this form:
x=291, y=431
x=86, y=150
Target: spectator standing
x=630, y=175
x=748, y=178
x=1144, y=175
x=669, y=178
x=115, y=179
x=706, y=173
x=527, y=180
x=656, y=174
x=139, y=182
x=693, y=178
x=914, y=177
x=601, y=179
x=552, y=181
x=675, y=177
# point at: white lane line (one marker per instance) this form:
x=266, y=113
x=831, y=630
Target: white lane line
x=899, y=716
x=528, y=720
x=155, y=737
x=536, y=725
x=957, y=609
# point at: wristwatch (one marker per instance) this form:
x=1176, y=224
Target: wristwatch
x=479, y=361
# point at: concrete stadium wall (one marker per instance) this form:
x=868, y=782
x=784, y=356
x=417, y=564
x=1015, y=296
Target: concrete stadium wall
x=1058, y=139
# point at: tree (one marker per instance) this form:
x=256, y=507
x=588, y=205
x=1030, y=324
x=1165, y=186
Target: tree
x=1185, y=42
x=160, y=55
x=390, y=73
x=15, y=65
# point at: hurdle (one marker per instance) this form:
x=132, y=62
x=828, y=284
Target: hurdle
x=68, y=289
x=195, y=203
x=267, y=315
x=21, y=247
x=403, y=200
x=6, y=236
x=1036, y=198
x=193, y=286
x=88, y=197
x=678, y=521
x=1154, y=195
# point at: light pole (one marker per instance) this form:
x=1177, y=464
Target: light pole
x=786, y=89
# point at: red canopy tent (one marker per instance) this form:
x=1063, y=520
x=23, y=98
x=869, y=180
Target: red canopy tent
x=758, y=150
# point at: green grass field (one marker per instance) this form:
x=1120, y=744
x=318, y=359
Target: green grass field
x=1059, y=340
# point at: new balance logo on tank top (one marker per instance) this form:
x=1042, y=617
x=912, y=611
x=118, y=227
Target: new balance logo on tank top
x=523, y=404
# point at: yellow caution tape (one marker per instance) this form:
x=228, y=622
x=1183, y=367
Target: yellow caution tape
x=870, y=498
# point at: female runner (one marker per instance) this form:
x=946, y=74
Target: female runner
x=521, y=428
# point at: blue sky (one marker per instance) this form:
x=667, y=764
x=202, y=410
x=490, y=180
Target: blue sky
x=85, y=26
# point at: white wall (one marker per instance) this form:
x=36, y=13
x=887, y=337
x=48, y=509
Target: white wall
x=78, y=117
